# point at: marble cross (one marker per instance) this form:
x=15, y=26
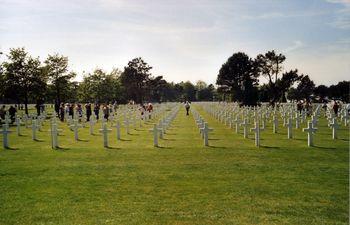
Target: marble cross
x=54, y=135
x=256, y=130
x=75, y=127
x=205, y=131
x=155, y=135
x=334, y=125
x=310, y=131
x=117, y=126
x=274, y=124
x=5, y=132
x=245, y=125
x=35, y=127
x=105, y=132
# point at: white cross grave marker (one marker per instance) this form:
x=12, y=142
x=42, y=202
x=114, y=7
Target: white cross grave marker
x=334, y=125
x=256, y=130
x=35, y=127
x=5, y=132
x=205, y=131
x=75, y=127
x=117, y=126
x=310, y=131
x=105, y=132
x=155, y=135
x=245, y=125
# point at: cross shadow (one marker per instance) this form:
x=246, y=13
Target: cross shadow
x=109, y=147
x=121, y=139
x=133, y=134
x=169, y=139
x=212, y=146
x=11, y=148
x=265, y=146
x=162, y=147
x=38, y=140
x=62, y=149
x=83, y=140
x=320, y=147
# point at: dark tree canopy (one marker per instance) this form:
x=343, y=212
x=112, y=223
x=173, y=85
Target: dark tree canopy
x=25, y=79
x=238, y=77
x=135, y=78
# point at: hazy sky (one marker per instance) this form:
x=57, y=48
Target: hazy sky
x=182, y=39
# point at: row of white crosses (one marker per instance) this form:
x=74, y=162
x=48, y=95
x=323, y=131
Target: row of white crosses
x=202, y=126
x=159, y=129
x=231, y=114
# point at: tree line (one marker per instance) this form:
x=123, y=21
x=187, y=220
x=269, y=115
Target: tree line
x=239, y=77
x=25, y=79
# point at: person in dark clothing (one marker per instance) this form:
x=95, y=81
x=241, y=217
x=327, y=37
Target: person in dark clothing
x=336, y=108
x=2, y=112
x=37, y=106
x=12, y=112
x=187, y=107
x=71, y=110
x=61, y=113
x=97, y=110
x=88, y=111
x=57, y=108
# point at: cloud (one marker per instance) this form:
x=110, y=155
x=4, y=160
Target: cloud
x=296, y=45
x=342, y=20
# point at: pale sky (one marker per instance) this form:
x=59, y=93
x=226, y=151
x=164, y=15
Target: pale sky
x=183, y=39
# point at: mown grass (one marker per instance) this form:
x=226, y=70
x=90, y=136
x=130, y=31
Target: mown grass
x=182, y=182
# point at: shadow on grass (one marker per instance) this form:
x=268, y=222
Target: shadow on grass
x=169, y=139
x=162, y=147
x=134, y=134
x=83, y=140
x=121, y=139
x=320, y=147
x=11, y=148
x=109, y=147
x=212, y=146
x=213, y=139
x=270, y=147
x=38, y=140
x=61, y=148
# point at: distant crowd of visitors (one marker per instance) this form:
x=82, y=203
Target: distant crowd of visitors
x=71, y=109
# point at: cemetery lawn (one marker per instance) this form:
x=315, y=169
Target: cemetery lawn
x=181, y=182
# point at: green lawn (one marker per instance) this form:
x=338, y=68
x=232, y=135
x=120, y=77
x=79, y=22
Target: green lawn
x=182, y=182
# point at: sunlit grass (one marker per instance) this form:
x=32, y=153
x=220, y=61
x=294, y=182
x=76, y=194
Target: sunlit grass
x=182, y=182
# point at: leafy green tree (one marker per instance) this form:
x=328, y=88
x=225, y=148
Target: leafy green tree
x=56, y=67
x=238, y=76
x=305, y=88
x=135, y=78
x=188, y=91
x=340, y=91
x=24, y=77
x=100, y=87
x=204, y=92
x=321, y=91
x=156, y=88
x=270, y=66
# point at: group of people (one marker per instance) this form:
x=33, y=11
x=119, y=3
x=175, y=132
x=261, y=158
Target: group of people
x=12, y=112
x=72, y=109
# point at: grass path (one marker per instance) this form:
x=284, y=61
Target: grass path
x=182, y=182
